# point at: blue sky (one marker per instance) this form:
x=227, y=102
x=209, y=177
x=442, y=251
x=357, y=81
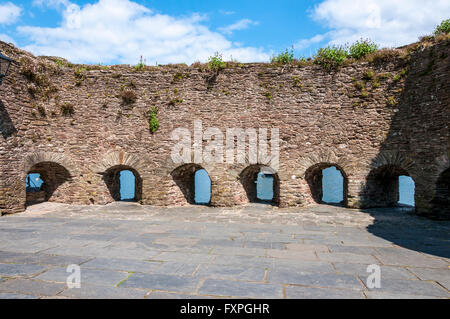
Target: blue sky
x=169, y=31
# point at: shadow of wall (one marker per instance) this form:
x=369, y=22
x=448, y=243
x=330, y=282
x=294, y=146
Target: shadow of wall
x=418, y=140
x=417, y=144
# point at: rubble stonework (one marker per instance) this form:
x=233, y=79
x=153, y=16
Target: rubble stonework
x=80, y=125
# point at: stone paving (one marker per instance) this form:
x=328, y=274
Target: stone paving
x=258, y=251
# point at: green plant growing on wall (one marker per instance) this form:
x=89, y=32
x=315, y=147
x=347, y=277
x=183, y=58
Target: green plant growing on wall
x=368, y=75
x=177, y=77
x=285, y=57
x=216, y=62
x=79, y=75
x=153, y=121
x=361, y=48
x=140, y=65
x=331, y=57
x=297, y=82
x=175, y=101
x=67, y=109
x=391, y=101
x=443, y=28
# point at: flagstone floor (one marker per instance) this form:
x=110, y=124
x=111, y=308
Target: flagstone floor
x=125, y=250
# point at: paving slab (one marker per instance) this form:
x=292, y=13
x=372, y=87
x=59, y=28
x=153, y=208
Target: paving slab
x=240, y=289
x=295, y=292
x=102, y=292
x=231, y=272
x=122, y=264
x=442, y=276
x=424, y=288
x=171, y=295
x=20, y=269
x=387, y=272
x=161, y=282
x=31, y=287
x=5, y=295
x=324, y=280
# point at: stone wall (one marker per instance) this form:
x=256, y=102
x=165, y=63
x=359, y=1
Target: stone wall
x=371, y=119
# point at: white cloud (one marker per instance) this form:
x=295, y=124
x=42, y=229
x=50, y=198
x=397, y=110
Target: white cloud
x=9, y=13
x=239, y=25
x=120, y=31
x=306, y=43
x=6, y=38
x=388, y=23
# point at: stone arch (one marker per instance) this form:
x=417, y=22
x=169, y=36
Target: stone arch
x=327, y=156
x=53, y=175
x=42, y=157
x=184, y=177
x=382, y=188
x=393, y=159
x=119, y=158
x=441, y=202
x=248, y=177
x=313, y=177
x=111, y=177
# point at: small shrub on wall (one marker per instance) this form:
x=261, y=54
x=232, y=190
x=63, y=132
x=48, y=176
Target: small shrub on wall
x=331, y=57
x=285, y=57
x=153, y=120
x=361, y=48
x=216, y=62
x=443, y=28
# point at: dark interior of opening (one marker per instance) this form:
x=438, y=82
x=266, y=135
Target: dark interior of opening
x=42, y=181
x=112, y=179
x=441, y=201
x=382, y=186
x=314, y=178
x=184, y=177
x=252, y=179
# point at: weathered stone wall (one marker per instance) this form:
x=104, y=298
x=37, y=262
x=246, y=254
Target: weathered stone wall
x=390, y=112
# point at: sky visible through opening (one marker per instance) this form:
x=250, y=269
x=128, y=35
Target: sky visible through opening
x=33, y=182
x=264, y=187
x=202, y=187
x=127, y=185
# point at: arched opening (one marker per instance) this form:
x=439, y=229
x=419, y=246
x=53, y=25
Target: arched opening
x=441, y=201
x=327, y=183
x=124, y=183
x=43, y=180
x=194, y=182
x=261, y=184
x=389, y=186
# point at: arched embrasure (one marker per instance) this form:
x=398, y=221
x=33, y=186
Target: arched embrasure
x=112, y=180
x=382, y=186
x=53, y=175
x=248, y=178
x=184, y=177
x=314, y=177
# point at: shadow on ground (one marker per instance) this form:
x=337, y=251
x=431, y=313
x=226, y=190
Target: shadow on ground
x=402, y=227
